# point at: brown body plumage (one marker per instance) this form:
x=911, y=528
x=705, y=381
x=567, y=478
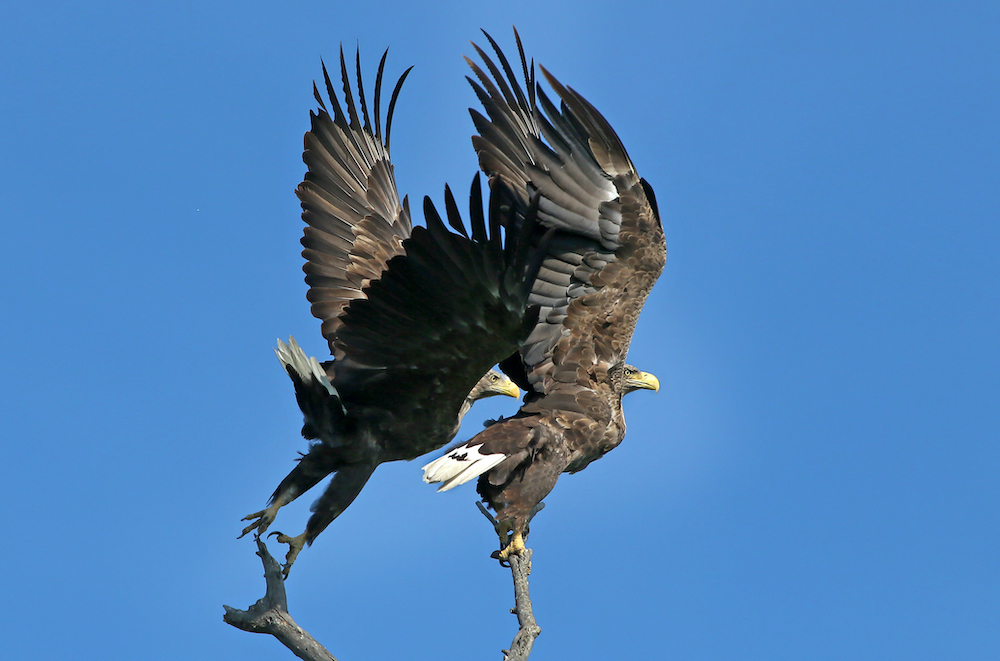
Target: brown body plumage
x=607, y=252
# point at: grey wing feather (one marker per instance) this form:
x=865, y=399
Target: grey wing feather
x=574, y=159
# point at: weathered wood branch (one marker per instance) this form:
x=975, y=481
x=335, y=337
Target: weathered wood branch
x=520, y=569
x=270, y=614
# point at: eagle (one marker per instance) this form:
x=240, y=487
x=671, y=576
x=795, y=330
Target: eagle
x=415, y=317
x=607, y=252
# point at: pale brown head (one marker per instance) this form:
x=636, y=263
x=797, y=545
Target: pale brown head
x=494, y=383
x=633, y=379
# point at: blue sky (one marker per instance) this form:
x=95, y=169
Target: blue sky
x=816, y=479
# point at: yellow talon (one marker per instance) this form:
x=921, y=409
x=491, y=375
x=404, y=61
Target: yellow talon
x=295, y=544
x=514, y=547
x=264, y=518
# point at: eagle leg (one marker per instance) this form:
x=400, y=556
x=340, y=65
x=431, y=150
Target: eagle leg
x=295, y=545
x=514, y=547
x=511, y=540
x=512, y=533
x=264, y=518
x=311, y=468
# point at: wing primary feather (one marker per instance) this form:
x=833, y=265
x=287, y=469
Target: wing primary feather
x=500, y=81
x=482, y=94
x=338, y=113
x=451, y=210
x=361, y=90
x=378, y=96
x=475, y=200
x=392, y=106
x=529, y=80
x=478, y=223
x=557, y=128
x=497, y=220
x=495, y=228
x=406, y=198
x=439, y=234
x=487, y=242
x=431, y=217
x=595, y=125
x=489, y=84
x=521, y=101
x=352, y=111
x=319, y=99
x=502, y=145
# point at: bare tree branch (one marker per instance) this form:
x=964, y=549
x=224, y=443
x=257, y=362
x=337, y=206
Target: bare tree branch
x=520, y=569
x=270, y=615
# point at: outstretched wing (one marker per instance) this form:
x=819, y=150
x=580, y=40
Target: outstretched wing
x=609, y=246
x=443, y=313
x=356, y=223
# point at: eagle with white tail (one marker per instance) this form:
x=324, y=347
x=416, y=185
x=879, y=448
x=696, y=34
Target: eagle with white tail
x=607, y=251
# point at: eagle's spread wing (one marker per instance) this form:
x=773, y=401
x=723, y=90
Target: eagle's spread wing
x=441, y=314
x=356, y=223
x=609, y=249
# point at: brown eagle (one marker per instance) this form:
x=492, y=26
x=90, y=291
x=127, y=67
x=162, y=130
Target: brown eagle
x=607, y=252
x=415, y=317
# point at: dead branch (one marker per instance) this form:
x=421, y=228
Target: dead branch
x=270, y=615
x=520, y=569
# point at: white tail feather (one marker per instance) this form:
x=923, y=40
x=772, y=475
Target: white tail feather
x=292, y=355
x=460, y=465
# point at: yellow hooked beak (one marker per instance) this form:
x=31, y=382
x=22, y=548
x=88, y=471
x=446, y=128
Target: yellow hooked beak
x=492, y=384
x=508, y=388
x=643, y=381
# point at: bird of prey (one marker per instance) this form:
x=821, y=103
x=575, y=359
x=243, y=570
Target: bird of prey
x=415, y=317
x=607, y=252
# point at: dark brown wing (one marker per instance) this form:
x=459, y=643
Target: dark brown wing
x=609, y=249
x=442, y=314
x=356, y=223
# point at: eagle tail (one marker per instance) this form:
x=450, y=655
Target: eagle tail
x=322, y=409
x=307, y=368
x=459, y=465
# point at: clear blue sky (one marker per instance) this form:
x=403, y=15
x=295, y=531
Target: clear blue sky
x=816, y=479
